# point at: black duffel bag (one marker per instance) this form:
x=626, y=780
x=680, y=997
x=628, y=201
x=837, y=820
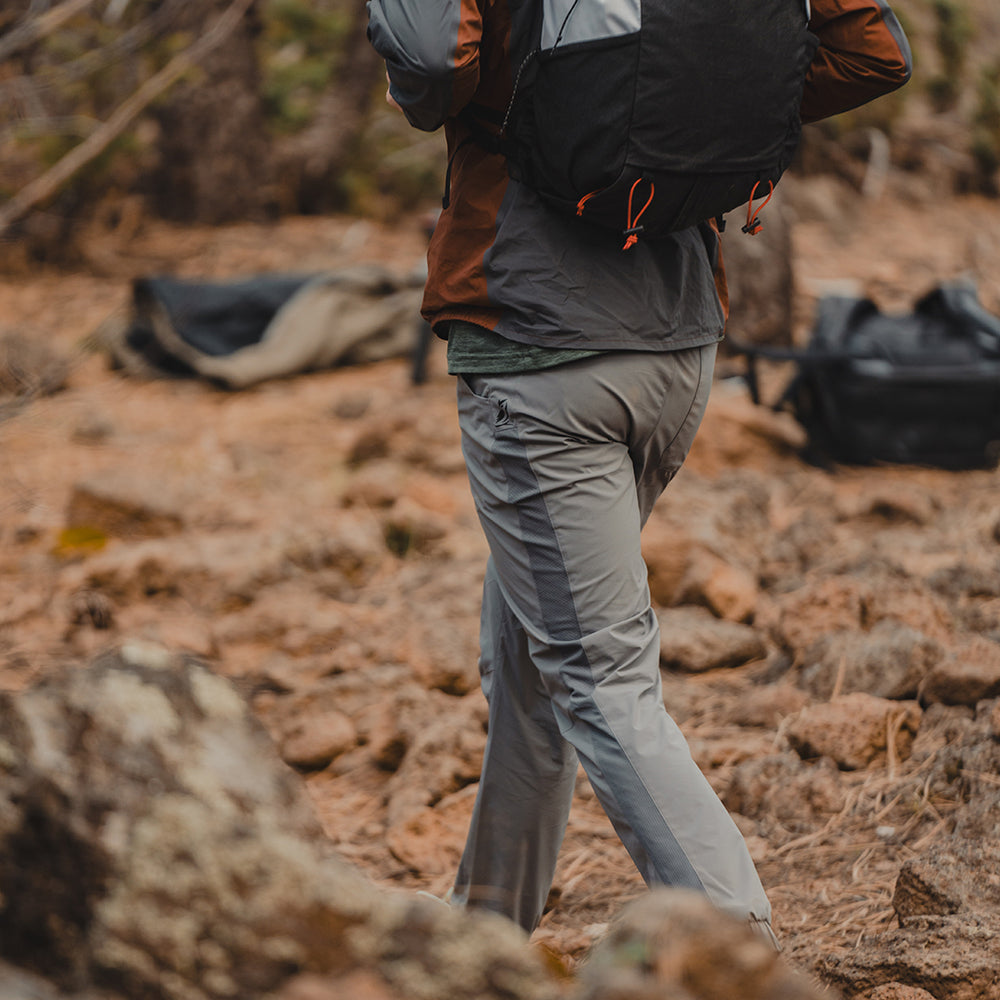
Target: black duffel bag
x=917, y=388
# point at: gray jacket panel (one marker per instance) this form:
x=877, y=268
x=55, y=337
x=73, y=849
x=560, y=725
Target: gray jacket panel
x=419, y=45
x=562, y=283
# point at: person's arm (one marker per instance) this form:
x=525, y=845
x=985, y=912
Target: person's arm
x=862, y=55
x=431, y=51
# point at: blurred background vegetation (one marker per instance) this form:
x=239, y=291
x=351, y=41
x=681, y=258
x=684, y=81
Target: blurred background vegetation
x=211, y=111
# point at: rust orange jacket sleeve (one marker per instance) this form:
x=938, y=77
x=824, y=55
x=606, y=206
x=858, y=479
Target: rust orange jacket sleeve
x=862, y=54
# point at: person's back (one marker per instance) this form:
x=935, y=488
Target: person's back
x=584, y=371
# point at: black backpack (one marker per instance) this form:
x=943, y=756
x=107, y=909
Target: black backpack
x=649, y=116
x=919, y=388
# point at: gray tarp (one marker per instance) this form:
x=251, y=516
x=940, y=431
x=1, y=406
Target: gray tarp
x=244, y=332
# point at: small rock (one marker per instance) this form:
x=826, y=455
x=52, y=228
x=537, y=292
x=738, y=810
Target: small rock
x=897, y=991
x=728, y=591
x=432, y=494
x=387, y=728
x=889, y=661
x=958, y=876
x=966, y=579
x=376, y=485
x=373, y=442
x=446, y=460
x=352, y=405
x=855, y=603
x=899, y=504
x=816, y=609
x=352, y=545
x=694, y=640
x=767, y=705
x=443, y=758
x=17, y=603
x=674, y=943
x=290, y=618
x=121, y=506
x=667, y=550
x=442, y=655
x=93, y=428
x=359, y=985
x=91, y=607
x=853, y=730
x=946, y=957
x=967, y=675
x=738, y=434
x=785, y=790
x=431, y=840
x=313, y=741
x=213, y=572
x=410, y=527
x=279, y=673
x=908, y=602
x=29, y=367
x=181, y=631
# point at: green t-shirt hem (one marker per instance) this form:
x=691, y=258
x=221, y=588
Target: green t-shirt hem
x=474, y=350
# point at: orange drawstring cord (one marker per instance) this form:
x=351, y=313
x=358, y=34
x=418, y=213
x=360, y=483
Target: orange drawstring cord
x=582, y=203
x=633, y=229
x=754, y=225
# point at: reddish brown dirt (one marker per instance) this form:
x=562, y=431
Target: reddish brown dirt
x=279, y=456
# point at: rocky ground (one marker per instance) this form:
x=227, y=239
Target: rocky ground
x=831, y=638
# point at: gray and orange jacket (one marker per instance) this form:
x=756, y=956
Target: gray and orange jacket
x=501, y=259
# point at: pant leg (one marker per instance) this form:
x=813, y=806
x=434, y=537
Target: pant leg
x=564, y=466
x=527, y=781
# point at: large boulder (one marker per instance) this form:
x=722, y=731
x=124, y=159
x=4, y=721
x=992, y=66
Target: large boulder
x=152, y=842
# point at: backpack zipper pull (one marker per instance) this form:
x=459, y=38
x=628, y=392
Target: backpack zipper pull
x=754, y=225
x=633, y=228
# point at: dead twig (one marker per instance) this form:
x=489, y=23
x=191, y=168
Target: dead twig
x=929, y=837
x=35, y=29
x=838, y=684
x=102, y=137
x=893, y=725
x=831, y=824
x=989, y=779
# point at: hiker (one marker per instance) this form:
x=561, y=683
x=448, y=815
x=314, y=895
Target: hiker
x=584, y=366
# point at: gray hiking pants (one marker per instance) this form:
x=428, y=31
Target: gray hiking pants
x=565, y=465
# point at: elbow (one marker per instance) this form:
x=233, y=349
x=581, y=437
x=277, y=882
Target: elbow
x=905, y=72
x=888, y=77
x=429, y=101
x=424, y=103
x=899, y=69
x=428, y=78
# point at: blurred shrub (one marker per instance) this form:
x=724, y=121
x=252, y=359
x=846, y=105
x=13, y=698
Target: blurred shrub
x=986, y=128
x=953, y=33
x=301, y=47
x=394, y=168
